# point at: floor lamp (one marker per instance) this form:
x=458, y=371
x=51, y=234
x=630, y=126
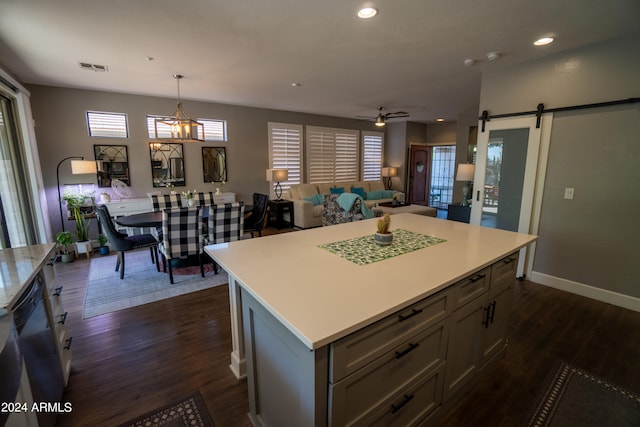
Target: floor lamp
x=78, y=166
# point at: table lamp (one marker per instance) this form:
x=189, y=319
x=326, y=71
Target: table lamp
x=277, y=176
x=388, y=173
x=465, y=173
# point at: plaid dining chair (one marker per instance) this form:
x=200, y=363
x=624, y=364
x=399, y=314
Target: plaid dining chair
x=204, y=198
x=165, y=201
x=182, y=232
x=226, y=222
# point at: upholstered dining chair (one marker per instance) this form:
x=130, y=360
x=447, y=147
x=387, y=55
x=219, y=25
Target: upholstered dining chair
x=255, y=220
x=161, y=202
x=165, y=201
x=226, y=223
x=204, y=198
x=122, y=243
x=182, y=236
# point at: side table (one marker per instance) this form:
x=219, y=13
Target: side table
x=279, y=207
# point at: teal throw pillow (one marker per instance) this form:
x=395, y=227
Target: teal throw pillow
x=315, y=200
x=359, y=191
x=336, y=190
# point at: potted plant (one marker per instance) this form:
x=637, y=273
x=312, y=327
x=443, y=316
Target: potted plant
x=82, y=232
x=63, y=240
x=102, y=241
x=82, y=201
x=383, y=236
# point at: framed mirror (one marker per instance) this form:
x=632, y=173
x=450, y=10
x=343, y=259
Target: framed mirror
x=113, y=163
x=214, y=164
x=167, y=164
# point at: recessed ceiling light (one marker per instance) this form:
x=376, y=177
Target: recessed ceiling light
x=296, y=84
x=439, y=119
x=469, y=62
x=492, y=56
x=543, y=41
x=367, y=12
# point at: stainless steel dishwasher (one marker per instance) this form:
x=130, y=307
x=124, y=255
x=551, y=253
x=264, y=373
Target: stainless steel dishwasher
x=36, y=340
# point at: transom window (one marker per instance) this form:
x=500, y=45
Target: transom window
x=108, y=125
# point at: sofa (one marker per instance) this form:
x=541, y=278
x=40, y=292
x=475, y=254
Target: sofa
x=307, y=198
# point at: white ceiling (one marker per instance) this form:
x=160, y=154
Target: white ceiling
x=249, y=52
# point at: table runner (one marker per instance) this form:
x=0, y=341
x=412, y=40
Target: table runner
x=364, y=250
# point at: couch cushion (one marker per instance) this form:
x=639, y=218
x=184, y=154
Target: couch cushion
x=376, y=185
x=336, y=190
x=374, y=195
x=306, y=190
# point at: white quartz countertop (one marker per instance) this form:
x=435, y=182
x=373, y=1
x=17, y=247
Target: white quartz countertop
x=18, y=267
x=321, y=297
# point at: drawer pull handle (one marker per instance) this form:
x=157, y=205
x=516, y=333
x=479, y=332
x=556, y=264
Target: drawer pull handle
x=396, y=408
x=508, y=260
x=64, y=318
x=412, y=347
x=58, y=291
x=402, y=318
x=68, y=346
x=477, y=277
x=492, y=312
x=485, y=322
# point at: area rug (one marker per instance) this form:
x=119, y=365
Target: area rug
x=574, y=397
x=142, y=283
x=191, y=412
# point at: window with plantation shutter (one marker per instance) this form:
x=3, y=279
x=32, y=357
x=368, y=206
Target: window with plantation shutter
x=372, y=148
x=214, y=130
x=285, y=151
x=107, y=125
x=332, y=155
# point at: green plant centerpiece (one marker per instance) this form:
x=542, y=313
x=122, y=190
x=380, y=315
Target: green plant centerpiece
x=64, y=240
x=383, y=236
x=83, y=201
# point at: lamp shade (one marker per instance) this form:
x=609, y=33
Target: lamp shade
x=389, y=172
x=277, y=175
x=79, y=167
x=465, y=172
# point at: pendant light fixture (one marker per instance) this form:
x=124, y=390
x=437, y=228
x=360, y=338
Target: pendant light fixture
x=179, y=127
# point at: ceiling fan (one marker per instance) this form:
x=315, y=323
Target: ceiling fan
x=381, y=119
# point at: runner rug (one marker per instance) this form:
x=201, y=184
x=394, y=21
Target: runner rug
x=574, y=397
x=191, y=412
x=142, y=283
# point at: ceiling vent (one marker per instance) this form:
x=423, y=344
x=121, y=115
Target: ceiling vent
x=93, y=67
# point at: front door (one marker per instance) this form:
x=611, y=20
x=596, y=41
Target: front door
x=419, y=172
x=505, y=176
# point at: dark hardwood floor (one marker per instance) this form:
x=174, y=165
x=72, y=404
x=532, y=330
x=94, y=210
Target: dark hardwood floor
x=133, y=361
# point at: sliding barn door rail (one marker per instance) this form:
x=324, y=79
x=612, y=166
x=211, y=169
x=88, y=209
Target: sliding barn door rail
x=539, y=111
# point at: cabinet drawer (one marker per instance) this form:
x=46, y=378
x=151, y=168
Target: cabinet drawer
x=471, y=287
x=503, y=273
x=412, y=405
x=361, y=347
x=353, y=399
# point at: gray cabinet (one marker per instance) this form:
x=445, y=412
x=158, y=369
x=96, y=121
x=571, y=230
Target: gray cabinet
x=479, y=322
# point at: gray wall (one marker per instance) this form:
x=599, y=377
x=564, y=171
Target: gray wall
x=61, y=131
x=593, y=239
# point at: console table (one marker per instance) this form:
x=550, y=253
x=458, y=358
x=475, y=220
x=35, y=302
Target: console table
x=324, y=335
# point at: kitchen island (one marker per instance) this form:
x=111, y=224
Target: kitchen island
x=339, y=337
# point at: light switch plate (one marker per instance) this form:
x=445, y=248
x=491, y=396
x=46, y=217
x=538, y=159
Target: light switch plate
x=568, y=193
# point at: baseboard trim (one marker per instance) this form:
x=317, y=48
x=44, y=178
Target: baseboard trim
x=610, y=297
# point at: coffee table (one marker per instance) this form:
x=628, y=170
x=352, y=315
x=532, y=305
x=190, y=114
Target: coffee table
x=414, y=209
